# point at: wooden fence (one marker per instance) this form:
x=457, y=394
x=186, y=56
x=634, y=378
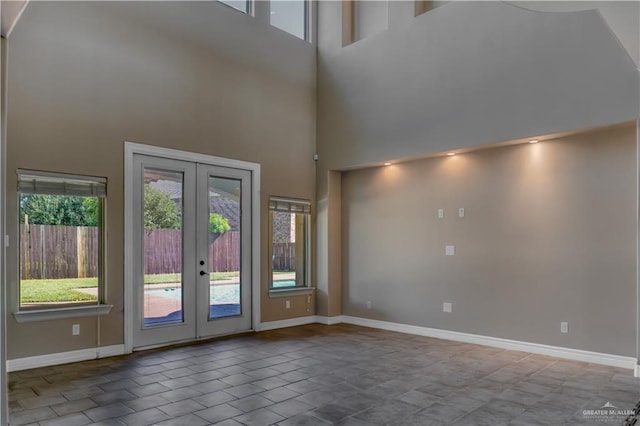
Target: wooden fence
x=162, y=251
x=224, y=252
x=284, y=257
x=163, y=247
x=49, y=252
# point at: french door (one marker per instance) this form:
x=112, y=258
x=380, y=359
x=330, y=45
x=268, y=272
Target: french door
x=192, y=250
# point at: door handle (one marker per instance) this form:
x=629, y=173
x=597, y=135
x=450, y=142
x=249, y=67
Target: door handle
x=203, y=273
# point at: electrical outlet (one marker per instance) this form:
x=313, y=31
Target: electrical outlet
x=75, y=329
x=287, y=304
x=440, y=213
x=450, y=250
x=447, y=307
x=564, y=327
x=369, y=305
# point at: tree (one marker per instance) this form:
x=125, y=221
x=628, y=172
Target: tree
x=218, y=224
x=92, y=211
x=67, y=210
x=160, y=212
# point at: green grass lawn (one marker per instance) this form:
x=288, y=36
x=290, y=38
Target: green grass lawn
x=64, y=290
x=175, y=278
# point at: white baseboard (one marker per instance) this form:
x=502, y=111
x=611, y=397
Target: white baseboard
x=63, y=357
x=514, y=345
x=330, y=320
x=293, y=322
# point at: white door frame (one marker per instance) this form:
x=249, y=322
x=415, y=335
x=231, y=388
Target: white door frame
x=4, y=389
x=183, y=329
x=130, y=149
x=205, y=324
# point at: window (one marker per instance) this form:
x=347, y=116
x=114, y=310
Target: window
x=61, y=237
x=241, y=5
x=289, y=224
x=370, y=17
x=423, y=6
x=290, y=16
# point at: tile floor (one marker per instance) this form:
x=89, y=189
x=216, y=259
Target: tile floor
x=319, y=375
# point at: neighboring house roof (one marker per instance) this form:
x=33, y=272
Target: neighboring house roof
x=225, y=206
x=228, y=208
x=172, y=188
x=281, y=232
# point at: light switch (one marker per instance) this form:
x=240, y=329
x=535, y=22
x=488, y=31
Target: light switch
x=450, y=250
x=461, y=212
x=447, y=307
x=440, y=213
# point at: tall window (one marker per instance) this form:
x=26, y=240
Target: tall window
x=289, y=233
x=290, y=16
x=423, y=6
x=61, y=239
x=241, y=5
x=370, y=17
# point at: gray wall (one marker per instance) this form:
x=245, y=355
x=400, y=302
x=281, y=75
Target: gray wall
x=623, y=18
x=549, y=235
x=371, y=17
x=462, y=76
x=83, y=77
x=468, y=74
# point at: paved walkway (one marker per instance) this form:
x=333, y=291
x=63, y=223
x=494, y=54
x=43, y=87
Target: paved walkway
x=156, y=306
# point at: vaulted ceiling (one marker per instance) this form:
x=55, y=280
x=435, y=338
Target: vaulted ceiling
x=11, y=10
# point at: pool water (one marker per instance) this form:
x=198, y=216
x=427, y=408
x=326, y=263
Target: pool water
x=220, y=293
x=284, y=283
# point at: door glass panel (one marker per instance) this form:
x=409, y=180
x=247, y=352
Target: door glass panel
x=162, y=257
x=224, y=247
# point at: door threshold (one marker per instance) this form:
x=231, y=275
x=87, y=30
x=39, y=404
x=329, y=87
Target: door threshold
x=194, y=341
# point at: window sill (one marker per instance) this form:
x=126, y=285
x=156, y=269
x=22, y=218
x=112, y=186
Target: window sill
x=59, y=313
x=284, y=292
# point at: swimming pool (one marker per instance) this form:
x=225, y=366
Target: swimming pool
x=284, y=283
x=220, y=293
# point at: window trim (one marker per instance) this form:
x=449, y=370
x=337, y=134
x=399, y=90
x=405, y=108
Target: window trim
x=296, y=206
x=307, y=13
x=307, y=22
x=248, y=7
x=290, y=291
x=33, y=315
x=47, y=311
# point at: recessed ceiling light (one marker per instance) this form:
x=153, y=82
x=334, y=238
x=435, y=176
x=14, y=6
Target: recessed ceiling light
x=451, y=153
x=534, y=141
x=387, y=163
